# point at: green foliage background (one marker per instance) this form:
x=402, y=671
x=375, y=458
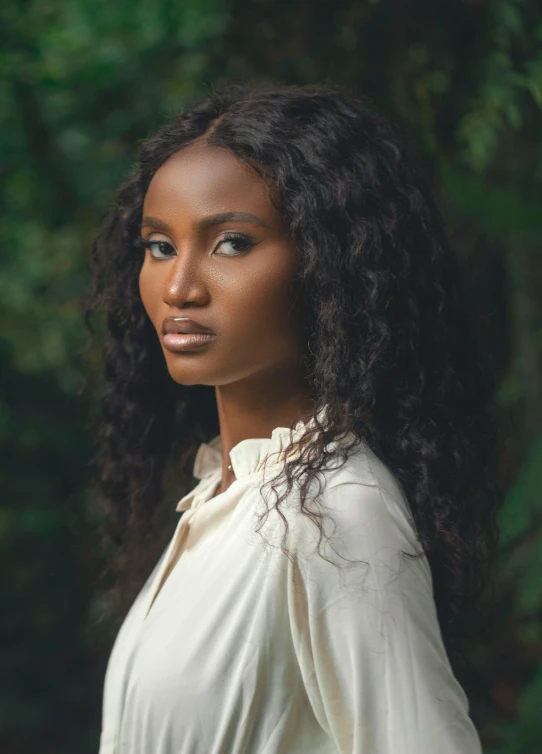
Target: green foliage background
x=82, y=83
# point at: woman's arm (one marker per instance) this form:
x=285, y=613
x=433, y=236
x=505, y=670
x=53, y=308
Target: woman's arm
x=366, y=634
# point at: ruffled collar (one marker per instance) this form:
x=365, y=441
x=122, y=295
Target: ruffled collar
x=248, y=459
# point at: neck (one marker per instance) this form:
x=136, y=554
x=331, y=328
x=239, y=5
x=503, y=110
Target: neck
x=255, y=408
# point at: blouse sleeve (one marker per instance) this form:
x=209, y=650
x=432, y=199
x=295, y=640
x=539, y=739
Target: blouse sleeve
x=366, y=633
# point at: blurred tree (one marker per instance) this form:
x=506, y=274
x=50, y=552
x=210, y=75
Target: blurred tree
x=83, y=82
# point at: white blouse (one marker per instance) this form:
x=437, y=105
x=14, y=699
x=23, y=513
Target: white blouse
x=239, y=650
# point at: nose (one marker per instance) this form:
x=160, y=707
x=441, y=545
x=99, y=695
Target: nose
x=184, y=281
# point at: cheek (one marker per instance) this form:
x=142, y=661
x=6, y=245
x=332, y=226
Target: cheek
x=260, y=309
x=149, y=290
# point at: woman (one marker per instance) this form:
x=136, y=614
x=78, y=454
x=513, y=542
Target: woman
x=285, y=322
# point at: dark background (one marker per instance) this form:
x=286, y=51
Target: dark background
x=82, y=83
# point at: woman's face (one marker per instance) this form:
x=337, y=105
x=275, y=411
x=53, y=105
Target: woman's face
x=225, y=271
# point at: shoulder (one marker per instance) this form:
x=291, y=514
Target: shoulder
x=364, y=514
x=366, y=477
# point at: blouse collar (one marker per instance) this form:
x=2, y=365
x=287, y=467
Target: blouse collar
x=247, y=458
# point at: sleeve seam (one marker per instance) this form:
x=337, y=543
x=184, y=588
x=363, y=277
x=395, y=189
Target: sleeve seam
x=375, y=485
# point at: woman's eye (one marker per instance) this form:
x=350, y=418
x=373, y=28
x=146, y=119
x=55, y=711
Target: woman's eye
x=164, y=250
x=161, y=249
x=240, y=243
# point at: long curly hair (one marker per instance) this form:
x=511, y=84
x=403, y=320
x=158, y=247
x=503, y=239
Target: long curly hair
x=393, y=355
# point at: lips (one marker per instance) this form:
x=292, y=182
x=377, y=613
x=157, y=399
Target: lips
x=183, y=325
x=181, y=335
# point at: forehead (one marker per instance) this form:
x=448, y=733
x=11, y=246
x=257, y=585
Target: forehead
x=203, y=178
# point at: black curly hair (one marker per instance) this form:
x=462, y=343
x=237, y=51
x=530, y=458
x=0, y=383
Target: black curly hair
x=393, y=355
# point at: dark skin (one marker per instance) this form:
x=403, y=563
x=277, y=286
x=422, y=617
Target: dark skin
x=237, y=288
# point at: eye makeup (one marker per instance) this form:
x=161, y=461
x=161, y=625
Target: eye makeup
x=242, y=241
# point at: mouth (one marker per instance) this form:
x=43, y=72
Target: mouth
x=185, y=334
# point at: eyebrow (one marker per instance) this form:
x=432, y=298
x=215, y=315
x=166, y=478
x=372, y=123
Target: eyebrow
x=210, y=220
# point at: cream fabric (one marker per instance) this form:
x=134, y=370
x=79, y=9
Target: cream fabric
x=244, y=651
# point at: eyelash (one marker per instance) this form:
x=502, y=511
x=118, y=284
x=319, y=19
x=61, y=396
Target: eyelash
x=242, y=240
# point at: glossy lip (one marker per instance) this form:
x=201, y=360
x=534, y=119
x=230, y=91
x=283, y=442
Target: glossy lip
x=184, y=325
x=186, y=341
